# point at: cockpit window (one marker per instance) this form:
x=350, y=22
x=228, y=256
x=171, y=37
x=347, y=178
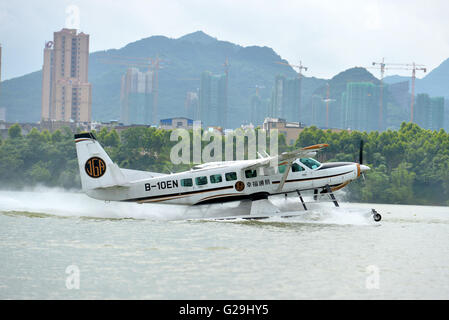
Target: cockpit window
x=309, y=162
x=296, y=167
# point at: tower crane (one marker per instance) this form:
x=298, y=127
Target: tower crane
x=382, y=73
x=300, y=67
x=414, y=67
x=398, y=66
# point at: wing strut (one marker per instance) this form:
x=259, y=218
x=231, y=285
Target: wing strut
x=284, y=177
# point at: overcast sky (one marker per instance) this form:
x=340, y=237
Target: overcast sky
x=328, y=36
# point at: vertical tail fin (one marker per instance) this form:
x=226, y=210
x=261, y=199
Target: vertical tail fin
x=96, y=168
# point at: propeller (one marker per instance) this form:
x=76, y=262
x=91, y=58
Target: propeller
x=361, y=152
x=361, y=157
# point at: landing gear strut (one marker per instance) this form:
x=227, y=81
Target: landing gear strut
x=302, y=200
x=331, y=194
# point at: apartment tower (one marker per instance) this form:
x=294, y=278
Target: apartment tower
x=66, y=92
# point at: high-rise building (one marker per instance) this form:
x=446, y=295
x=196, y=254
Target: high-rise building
x=285, y=100
x=277, y=97
x=399, y=93
x=446, y=115
x=428, y=112
x=66, y=92
x=318, y=111
x=2, y=114
x=437, y=110
x=213, y=99
x=257, y=112
x=0, y=66
x=360, y=106
x=2, y=110
x=136, y=97
x=191, y=104
x=291, y=101
x=0, y=62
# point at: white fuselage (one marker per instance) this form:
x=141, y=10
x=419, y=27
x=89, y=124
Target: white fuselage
x=206, y=187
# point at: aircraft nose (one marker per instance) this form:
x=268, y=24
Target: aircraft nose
x=364, y=168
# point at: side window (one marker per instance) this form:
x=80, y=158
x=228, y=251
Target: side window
x=186, y=182
x=201, y=180
x=296, y=167
x=231, y=176
x=215, y=178
x=251, y=173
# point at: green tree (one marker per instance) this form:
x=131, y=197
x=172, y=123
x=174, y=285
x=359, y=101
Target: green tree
x=111, y=139
x=401, y=184
x=15, y=131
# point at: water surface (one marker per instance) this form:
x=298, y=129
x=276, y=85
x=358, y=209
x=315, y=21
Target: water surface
x=131, y=251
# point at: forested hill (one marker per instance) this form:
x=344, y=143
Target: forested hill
x=408, y=166
x=184, y=59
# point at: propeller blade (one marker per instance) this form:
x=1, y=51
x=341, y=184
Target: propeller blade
x=361, y=152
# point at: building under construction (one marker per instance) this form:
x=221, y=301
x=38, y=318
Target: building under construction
x=429, y=112
x=360, y=106
x=136, y=98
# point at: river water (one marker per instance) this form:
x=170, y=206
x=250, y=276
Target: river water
x=64, y=245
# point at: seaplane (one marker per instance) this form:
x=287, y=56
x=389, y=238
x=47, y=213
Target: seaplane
x=253, y=181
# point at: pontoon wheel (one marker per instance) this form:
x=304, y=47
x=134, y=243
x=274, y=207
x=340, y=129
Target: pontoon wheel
x=377, y=217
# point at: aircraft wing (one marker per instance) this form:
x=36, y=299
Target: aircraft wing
x=285, y=157
x=309, y=151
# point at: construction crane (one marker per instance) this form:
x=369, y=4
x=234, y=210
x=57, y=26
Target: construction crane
x=414, y=67
x=382, y=73
x=300, y=68
x=397, y=66
x=153, y=64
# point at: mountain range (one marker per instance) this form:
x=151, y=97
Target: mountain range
x=183, y=61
